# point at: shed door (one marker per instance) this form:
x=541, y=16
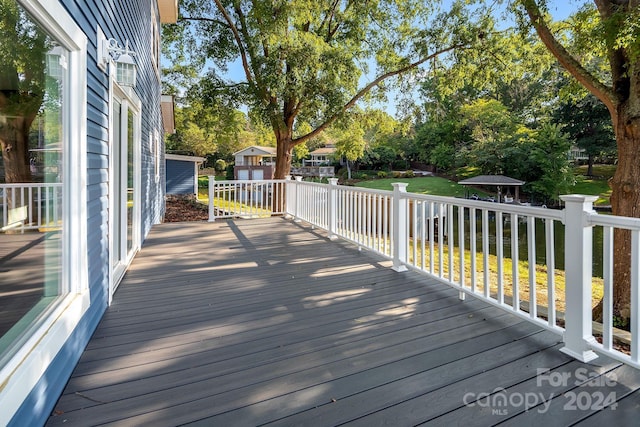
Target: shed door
x=258, y=174
x=243, y=174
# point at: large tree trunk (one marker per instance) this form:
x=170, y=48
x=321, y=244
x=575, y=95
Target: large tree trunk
x=14, y=141
x=625, y=201
x=284, y=148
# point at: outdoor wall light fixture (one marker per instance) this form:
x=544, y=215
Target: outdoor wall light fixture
x=123, y=57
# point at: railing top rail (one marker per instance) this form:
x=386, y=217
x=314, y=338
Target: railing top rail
x=311, y=184
x=30, y=184
x=614, y=221
x=534, y=211
x=538, y=212
x=365, y=190
x=250, y=181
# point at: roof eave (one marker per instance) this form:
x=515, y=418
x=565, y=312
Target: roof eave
x=168, y=11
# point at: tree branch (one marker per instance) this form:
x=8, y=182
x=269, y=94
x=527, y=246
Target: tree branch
x=329, y=16
x=588, y=80
x=370, y=86
x=213, y=21
x=236, y=36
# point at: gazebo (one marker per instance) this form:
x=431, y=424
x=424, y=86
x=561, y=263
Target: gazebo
x=495, y=181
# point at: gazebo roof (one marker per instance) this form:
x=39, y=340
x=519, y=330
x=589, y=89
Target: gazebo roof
x=497, y=180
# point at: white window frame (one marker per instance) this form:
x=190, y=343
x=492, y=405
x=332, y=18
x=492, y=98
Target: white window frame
x=20, y=374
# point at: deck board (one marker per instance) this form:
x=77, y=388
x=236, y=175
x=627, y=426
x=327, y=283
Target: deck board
x=250, y=322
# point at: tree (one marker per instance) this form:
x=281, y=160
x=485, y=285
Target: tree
x=381, y=137
x=615, y=36
x=443, y=156
x=305, y=60
x=554, y=175
x=190, y=137
x=493, y=131
x=22, y=87
x=445, y=135
x=588, y=124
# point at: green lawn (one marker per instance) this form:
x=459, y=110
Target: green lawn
x=431, y=185
x=436, y=186
x=596, y=185
x=599, y=171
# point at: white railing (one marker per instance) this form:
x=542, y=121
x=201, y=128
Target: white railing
x=508, y=255
x=610, y=225
x=248, y=199
x=26, y=206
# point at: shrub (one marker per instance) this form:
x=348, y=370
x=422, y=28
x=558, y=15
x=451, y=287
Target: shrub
x=408, y=174
x=229, y=175
x=220, y=165
x=382, y=174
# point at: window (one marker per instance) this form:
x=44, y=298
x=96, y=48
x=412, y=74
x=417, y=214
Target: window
x=33, y=88
x=43, y=140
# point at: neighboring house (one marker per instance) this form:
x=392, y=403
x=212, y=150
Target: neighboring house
x=318, y=164
x=321, y=157
x=255, y=162
x=182, y=173
x=577, y=153
x=89, y=188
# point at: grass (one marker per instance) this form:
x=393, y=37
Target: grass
x=523, y=273
x=436, y=186
x=432, y=185
x=599, y=171
x=595, y=185
x=541, y=275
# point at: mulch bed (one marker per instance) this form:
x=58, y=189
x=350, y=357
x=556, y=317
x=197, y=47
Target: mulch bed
x=185, y=208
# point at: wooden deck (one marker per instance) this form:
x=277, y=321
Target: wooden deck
x=252, y=322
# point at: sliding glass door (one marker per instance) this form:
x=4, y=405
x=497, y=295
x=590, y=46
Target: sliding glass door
x=125, y=206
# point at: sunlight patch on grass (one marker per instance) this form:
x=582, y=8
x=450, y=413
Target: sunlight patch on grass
x=541, y=275
x=431, y=185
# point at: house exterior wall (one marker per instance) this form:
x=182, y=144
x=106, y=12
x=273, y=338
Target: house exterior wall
x=122, y=20
x=181, y=177
x=267, y=172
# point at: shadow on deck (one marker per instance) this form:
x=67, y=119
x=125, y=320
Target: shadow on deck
x=266, y=322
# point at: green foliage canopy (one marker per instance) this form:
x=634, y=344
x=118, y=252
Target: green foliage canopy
x=313, y=60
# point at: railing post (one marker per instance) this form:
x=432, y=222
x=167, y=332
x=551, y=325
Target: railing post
x=212, y=183
x=333, y=207
x=296, y=200
x=399, y=226
x=289, y=194
x=578, y=332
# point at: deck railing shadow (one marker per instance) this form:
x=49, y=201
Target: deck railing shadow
x=503, y=254
x=227, y=334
